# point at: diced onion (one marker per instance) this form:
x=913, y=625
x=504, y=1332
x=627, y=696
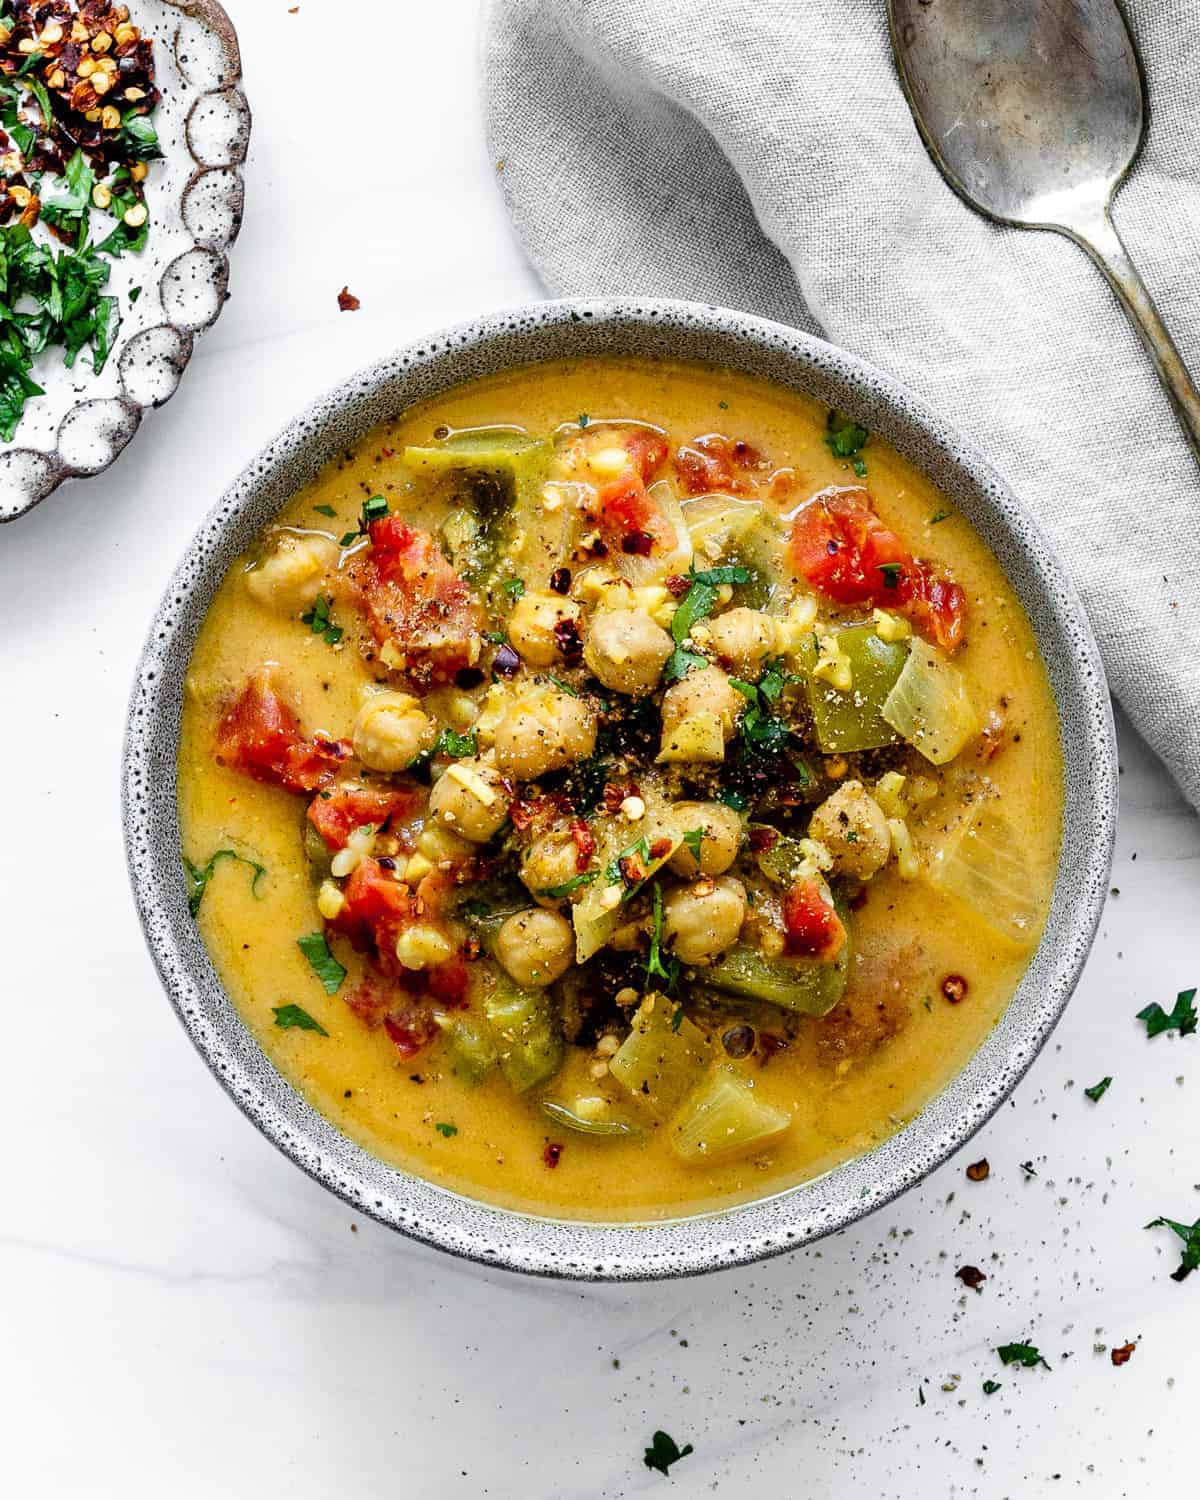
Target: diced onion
x=984, y=866
x=721, y=1117
x=930, y=706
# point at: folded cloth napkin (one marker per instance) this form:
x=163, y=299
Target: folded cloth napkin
x=760, y=154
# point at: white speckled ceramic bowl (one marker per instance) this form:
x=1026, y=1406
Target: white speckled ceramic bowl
x=596, y=1251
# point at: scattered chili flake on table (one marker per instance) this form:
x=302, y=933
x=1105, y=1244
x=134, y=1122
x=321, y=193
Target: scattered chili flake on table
x=978, y=1170
x=1123, y=1354
x=347, y=301
x=971, y=1276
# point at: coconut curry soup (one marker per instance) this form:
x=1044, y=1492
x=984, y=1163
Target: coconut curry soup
x=619, y=789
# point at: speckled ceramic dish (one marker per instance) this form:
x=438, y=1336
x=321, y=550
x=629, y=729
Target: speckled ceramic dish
x=83, y=422
x=662, y=1248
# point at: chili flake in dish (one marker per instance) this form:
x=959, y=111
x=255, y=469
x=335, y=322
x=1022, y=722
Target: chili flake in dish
x=629, y=774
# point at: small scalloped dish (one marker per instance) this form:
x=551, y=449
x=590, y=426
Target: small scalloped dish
x=84, y=420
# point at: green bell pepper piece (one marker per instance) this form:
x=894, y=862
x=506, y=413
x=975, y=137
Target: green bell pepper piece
x=854, y=720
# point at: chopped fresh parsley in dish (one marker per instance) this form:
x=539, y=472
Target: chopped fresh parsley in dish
x=77, y=92
x=635, y=781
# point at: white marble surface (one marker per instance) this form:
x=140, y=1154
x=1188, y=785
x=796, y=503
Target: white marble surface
x=185, y=1314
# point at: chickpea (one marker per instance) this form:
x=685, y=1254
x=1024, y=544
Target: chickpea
x=551, y=861
x=535, y=947
x=546, y=731
x=470, y=799
x=531, y=626
x=290, y=578
x=391, y=731
x=742, y=639
x=722, y=830
x=702, y=920
x=851, y=825
x=627, y=651
x=706, y=690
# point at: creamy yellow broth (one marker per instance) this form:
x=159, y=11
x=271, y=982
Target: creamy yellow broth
x=907, y=936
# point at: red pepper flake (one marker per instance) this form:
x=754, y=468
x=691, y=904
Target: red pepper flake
x=1123, y=1354
x=660, y=848
x=971, y=1276
x=585, y=844
x=954, y=987
x=569, y=641
x=633, y=871
x=762, y=839
x=978, y=1170
x=560, y=580
x=637, y=543
x=552, y=1153
x=678, y=584
x=347, y=301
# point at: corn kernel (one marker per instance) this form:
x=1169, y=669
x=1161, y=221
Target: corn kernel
x=330, y=900
x=101, y=42
x=87, y=66
x=110, y=117
x=101, y=82
x=138, y=172
x=136, y=216
x=423, y=948
x=889, y=627
x=908, y=863
x=52, y=34
x=473, y=783
x=101, y=195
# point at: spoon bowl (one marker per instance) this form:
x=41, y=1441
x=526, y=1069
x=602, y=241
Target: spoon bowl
x=1034, y=111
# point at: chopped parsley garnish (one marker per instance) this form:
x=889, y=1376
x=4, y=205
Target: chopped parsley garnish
x=374, y=509
x=846, y=439
x=321, y=961
x=990, y=1387
x=557, y=892
x=198, y=876
x=289, y=1016
x=760, y=729
x=731, y=798
x=1182, y=1019
x=1025, y=1355
x=583, y=419
x=1097, y=1090
x=659, y=965
x=445, y=1129
x=514, y=586
x=325, y=510
x=892, y=573
x=696, y=605
x=319, y=622
x=456, y=745
x=495, y=637
x=693, y=838
x=476, y=908
x=1190, y=1235
x=638, y=851
x=939, y=516
x=563, y=687
x=665, y=1451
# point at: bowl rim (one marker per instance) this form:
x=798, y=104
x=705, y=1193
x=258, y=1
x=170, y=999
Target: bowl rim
x=717, y=1238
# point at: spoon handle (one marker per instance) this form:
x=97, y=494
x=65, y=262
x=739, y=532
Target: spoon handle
x=1099, y=238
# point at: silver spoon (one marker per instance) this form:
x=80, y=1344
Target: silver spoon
x=1034, y=111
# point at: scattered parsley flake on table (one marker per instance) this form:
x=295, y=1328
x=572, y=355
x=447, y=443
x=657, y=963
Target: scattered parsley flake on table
x=1182, y=1019
x=665, y=1451
x=1190, y=1235
x=1025, y=1355
x=1098, y=1090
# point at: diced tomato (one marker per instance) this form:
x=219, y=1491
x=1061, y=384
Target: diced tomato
x=337, y=813
x=812, y=929
x=415, y=601
x=630, y=520
x=377, y=909
x=411, y=1027
x=647, y=450
x=260, y=735
x=845, y=551
x=378, y=1000
x=715, y=462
